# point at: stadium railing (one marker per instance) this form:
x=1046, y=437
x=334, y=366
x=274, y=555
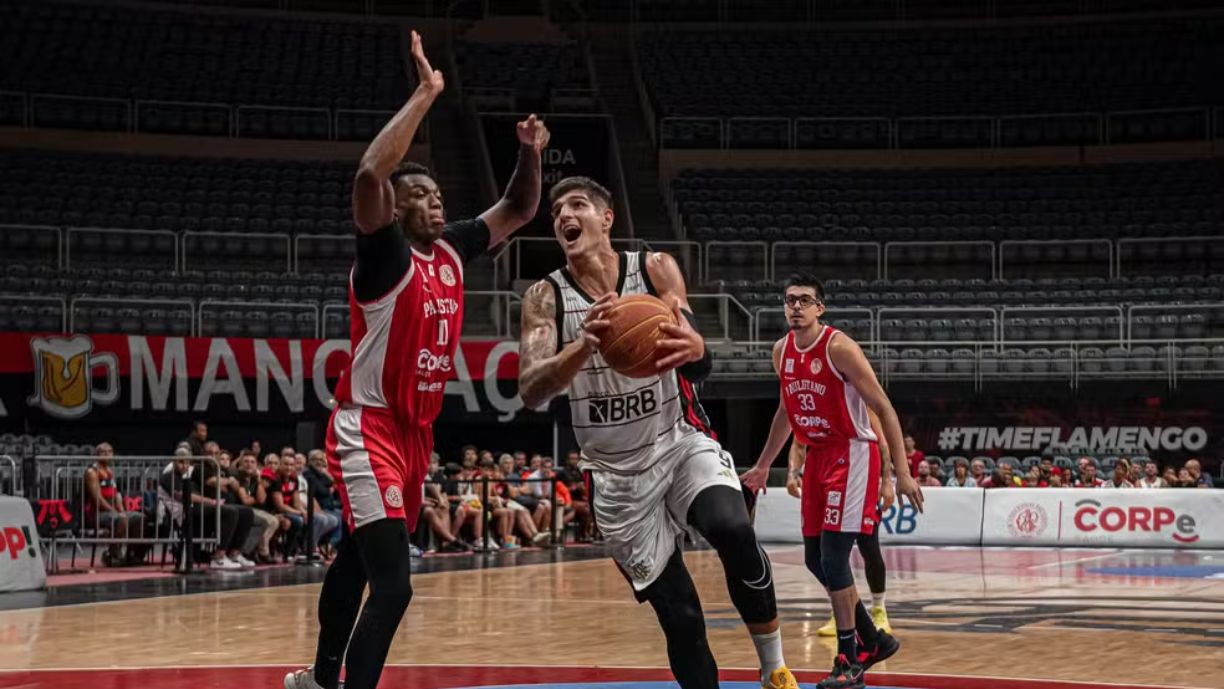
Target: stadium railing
x=10, y=476
x=106, y=245
x=45, y=241
x=1127, y=248
x=1035, y=256
x=36, y=300
x=61, y=481
x=113, y=301
x=229, y=245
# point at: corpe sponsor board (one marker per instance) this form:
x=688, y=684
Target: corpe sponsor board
x=71, y=377
x=21, y=562
x=951, y=516
x=1162, y=518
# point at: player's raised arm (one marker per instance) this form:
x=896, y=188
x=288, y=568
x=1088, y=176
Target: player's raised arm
x=779, y=430
x=519, y=203
x=545, y=367
x=373, y=195
x=684, y=342
x=848, y=358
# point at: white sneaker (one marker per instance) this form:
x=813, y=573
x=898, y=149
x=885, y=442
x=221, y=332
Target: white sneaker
x=224, y=563
x=493, y=547
x=542, y=539
x=302, y=679
x=243, y=561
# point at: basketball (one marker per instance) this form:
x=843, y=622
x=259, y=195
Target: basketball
x=628, y=344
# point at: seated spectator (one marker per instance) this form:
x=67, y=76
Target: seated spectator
x=511, y=489
x=960, y=476
x=1088, y=476
x=271, y=467
x=1170, y=477
x=1185, y=479
x=465, y=505
x=995, y=480
x=250, y=491
x=235, y=523
x=1151, y=476
x=323, y=492
x=1121, y=475
x=1081, y=462
x=520, y=462
x=283, y=500
x=469, y=457
x=539, y=484
x=1200, y=479
x=572, y=477
x=1034, y=479
x=1047, y=467
x=436, y=511
x=924, y=475
x=196, y=439
x=1056, y=478
x=914, y=455
x=977, y=469
x=105, y=508
x=1135, y=473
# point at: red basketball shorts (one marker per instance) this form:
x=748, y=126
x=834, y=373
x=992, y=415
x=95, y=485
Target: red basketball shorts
x=378, y=463
x=841, y=486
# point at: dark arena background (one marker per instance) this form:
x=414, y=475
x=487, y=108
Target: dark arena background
x=1016, y=208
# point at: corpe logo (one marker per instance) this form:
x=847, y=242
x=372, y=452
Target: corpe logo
x=1089, y=517
x=1027, y=520
x=394, y=497
x=447, y=275
x=64, y=376
x=816, y=366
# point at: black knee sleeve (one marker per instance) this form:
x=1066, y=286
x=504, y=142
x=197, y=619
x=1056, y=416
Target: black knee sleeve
x=719, y=515
x=674, y=599
x=811, y=558
x=873, y=560
x=835, y=559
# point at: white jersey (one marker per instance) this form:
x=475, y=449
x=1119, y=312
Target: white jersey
x=622, y=422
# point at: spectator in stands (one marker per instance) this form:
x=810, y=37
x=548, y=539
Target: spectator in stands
x=523, y=505
x=105, y=508
x=470, y=457
x=914, y=455
x=486, y=459
x=1151, y=476
x=924, y=475
x=1088, y=476
x=257, y=450
x=1008, y=472
x=220, y=483
x=1170, y=477
x=235, y=524
x=436, y=509
x=251, y=492
x=574, y=481
x=323, y=492
x=1121, y=475
x=1034, y=479
x=539, y=484
x=466, y=505
x=196, y=439
x=1047, y=467
x=1185, y=479
x=960, y=476
x=1056, y=478
x=1081, y=462
x=1200, y=479
x=283, y=500
x=271, y=467
x=977, y=469
x=520, y=462
x=1136, y=473
x=995, y=480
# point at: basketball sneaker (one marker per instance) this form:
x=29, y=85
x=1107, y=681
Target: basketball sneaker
x=781, y=679
x=886, y=646
x=844, y=675
x=830, y=628
x=880, y=617
x=302, y=679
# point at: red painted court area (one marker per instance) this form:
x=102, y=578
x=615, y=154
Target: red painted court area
x=457, y=676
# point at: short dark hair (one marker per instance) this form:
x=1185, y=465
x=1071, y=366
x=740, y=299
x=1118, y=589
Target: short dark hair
x=806, y=280
x=197, y=423
x=410, y=168
x=465, y=448
x=586, y=184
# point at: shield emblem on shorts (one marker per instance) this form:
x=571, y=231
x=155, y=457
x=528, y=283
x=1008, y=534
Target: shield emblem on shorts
x=394, y=497
x=816, y=366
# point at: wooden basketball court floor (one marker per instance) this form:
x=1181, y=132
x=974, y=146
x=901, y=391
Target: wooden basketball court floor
x=968, y=618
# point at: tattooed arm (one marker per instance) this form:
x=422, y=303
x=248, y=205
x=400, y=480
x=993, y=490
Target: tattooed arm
x=546, y=368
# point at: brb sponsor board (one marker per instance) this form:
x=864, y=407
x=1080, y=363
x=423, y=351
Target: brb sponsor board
x=1104, y=517
x=21, y=562
x=99, y=377
x=951, y=516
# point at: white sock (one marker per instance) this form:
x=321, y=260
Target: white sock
x=877, y=599
x=769, y=650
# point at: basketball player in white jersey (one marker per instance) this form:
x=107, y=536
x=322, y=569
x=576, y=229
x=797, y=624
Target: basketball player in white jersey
x=827, y=388
x=653, y=465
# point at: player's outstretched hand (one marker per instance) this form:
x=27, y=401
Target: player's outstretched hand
x=683, y=342
x=532, y=132
x=888, y=495
x=596, y=320
x=754, y=479
x=430, y=80
x=909, y=488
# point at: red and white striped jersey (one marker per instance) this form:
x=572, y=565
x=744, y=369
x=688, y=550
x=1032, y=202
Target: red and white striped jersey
x=404, y=342
x=821, y=405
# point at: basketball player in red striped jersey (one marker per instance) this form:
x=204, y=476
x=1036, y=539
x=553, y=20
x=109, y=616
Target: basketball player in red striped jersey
x=406, y=301
x=827, y=388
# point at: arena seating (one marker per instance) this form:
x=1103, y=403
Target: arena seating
x=1164, y=63
x=523, y=67
x=183, y=72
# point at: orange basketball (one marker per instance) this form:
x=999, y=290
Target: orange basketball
x=628, y=344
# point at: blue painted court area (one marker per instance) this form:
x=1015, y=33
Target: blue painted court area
x=1178, y=571
x=638, y=685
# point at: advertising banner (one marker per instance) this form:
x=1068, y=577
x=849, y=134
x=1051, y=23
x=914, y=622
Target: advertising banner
x=952, y=516
x=21, y=562
x=1167, y=518
x=99, y=377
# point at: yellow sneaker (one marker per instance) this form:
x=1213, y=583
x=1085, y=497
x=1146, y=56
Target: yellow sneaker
x=780, y=679
x=880, y=617
x=830, y=628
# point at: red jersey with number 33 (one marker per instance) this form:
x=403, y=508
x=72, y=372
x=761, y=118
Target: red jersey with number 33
x=404, y=342
x=821, y=405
